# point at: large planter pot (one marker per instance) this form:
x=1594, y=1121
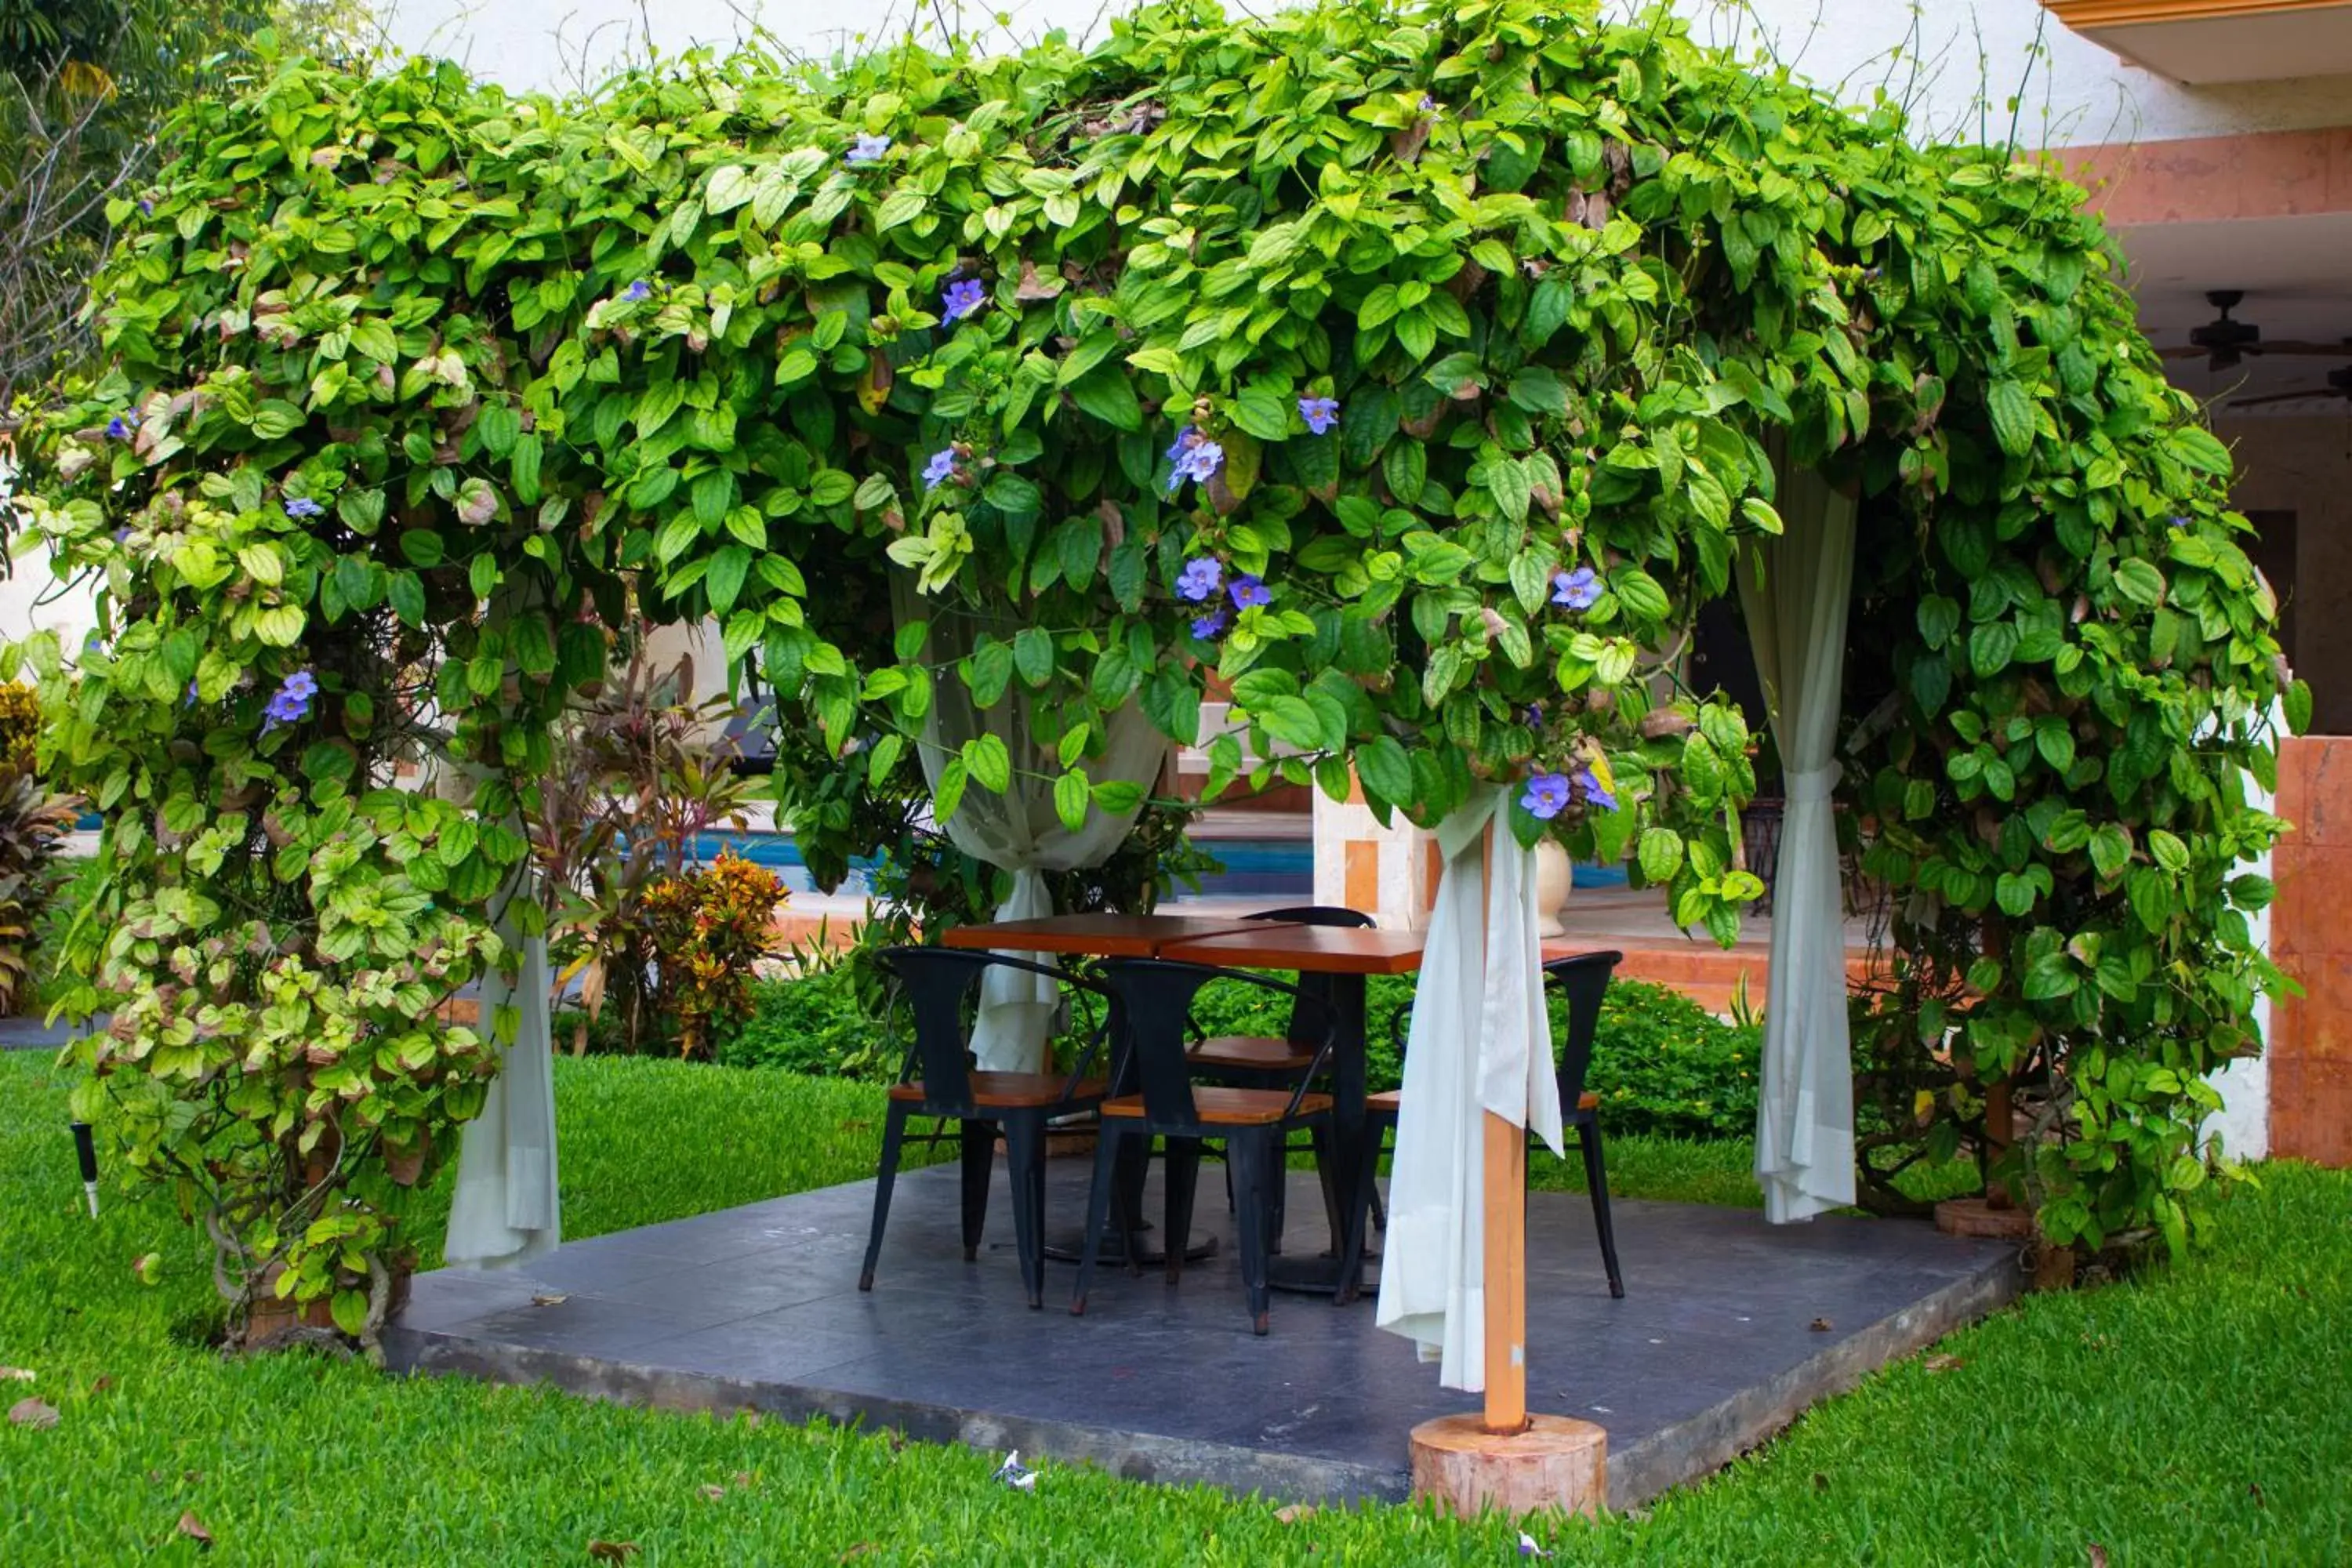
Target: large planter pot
x=1555, y=879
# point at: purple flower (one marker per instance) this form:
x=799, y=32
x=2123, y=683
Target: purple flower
x=1547, y=795
x=1209, y=625
x=1578, y=590
x=2180, y=522
x=963, y=296
x=1429, y=106
x=1201, y=578
x=1248, y=594
x=640, y=289
x=1195, y=457
x=1320, y=413
x=1588, y=787
x=292, y=702
x=303, y=506
x=1534, y=716
x=147, y=206
x=117, y=430
x=941, y=468
x=868, y=149
x=190, y=699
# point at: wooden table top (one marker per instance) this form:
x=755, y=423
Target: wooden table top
x=1307, y=950
x=1105, y=936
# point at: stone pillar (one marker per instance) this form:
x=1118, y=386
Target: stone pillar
x=2308, y=1058
x=1383, y=871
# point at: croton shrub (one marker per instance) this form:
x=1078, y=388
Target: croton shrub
x=1418, y=370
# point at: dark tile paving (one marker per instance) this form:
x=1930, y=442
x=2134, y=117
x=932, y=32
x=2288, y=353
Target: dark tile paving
x=1712, y=1350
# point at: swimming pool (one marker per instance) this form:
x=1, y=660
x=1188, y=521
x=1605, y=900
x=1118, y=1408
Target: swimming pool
x=1253, y=867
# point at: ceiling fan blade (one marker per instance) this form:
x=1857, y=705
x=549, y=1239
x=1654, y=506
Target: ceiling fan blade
x=2286, y=346
x=2307, y=396
x=2189, y=351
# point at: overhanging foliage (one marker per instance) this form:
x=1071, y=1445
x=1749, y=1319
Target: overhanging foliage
x=414, y=385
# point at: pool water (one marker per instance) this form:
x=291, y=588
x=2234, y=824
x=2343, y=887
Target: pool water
x=1253, y=867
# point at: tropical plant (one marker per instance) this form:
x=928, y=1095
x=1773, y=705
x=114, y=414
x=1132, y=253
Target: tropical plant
x=707, y=929
x=1416, y=368
x=641, y=769
x=32, y=827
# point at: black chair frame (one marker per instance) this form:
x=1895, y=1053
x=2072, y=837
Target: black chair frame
x=1150, y=1001
x=936, y=982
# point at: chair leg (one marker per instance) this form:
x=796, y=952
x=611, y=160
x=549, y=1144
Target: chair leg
x=1024, y=1151
x=894, y=1129
x=1098, y=1212
x=979, y=1160
x=1183, y=1174
x=1596, y=1177
x=1252, y=1152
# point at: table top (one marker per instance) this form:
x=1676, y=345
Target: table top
x=1307, y=950
x=1103, y=935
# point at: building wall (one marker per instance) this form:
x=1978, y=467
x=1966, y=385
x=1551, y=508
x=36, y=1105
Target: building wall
x=2304, y=466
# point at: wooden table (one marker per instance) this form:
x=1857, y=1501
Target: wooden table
x=1349, y=956
x=1101, y=936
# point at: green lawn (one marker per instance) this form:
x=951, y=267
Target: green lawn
x=2200, y=1414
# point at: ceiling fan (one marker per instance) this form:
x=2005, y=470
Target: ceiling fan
x=2339, y=384
x=2224, y=342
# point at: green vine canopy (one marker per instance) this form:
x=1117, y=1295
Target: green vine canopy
x=1417, y=370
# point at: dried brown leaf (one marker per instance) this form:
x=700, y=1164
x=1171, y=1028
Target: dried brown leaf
x=855, y=1552
x=14, y=1374
x=33, y=1412
x=1946, y=1362
x=2098, y=1555
x=552, y=1298
x=612, y=1551
x=193, y=1528
x=713, y=1491
x=1294, y=1512
x=1823, y=1325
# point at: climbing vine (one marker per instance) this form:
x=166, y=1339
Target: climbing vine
x=1417, y=371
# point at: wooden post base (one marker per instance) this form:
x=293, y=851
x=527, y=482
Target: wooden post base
x=1556, y=1464
x=1977, y=1217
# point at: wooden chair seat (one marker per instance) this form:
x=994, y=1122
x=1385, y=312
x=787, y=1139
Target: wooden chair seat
x=1012, y=1090
x=1229, y=1107
x=1388, y=1103
x=1251, y=1053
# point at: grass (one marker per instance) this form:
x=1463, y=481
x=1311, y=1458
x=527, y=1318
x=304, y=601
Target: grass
x=2196, y=1415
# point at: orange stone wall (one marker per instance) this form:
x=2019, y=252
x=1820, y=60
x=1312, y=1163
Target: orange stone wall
x=2310, y=1048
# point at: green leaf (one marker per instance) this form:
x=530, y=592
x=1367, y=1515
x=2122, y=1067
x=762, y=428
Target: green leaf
x=2010, y=408
x=2296, y=701
x=2168, y=849
x=990, y=762
x=1661, y=855
x=2139, y=582
x=1117, y=796
x=1033, y=655
x=1072, y=795
x=1385, y=770
x=1106, y=395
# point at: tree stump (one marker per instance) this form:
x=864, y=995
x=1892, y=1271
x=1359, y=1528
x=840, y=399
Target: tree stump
x=1556, y=1464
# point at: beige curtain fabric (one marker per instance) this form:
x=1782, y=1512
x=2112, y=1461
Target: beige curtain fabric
x=1018, y=830
x=1481, y=1041
x=505, y=1211
x=1797, y=617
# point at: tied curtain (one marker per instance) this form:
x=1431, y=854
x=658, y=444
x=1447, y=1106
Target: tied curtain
x=1480, y=1042
x=504, y=1210
x=1019, y=831
x=1797, y=619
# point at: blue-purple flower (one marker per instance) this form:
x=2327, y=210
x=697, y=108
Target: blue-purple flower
x=1534, y=716
x=190, y=699
x=1195, y=457
x=963, y=296
x=1589, y=787
x=640, y=289
x=1209, y=625
x=118, y=429
x=2180, y=522
x=302, y=506
x=292, y=702
x=1547, y=796
x=1579, y=590
x=941, y=468
x=1202, y=577
x=147, y=206
x=1320, y=413
x=1248, y=593
x=1429, y=107
x=868, y=149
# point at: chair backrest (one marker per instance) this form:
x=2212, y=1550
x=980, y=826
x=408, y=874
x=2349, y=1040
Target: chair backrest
x=938, y=981
x=1149, y=1000
x=1303, y=1029
x=1583, y=980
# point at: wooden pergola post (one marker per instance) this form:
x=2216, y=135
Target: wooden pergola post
x=1503, y=1459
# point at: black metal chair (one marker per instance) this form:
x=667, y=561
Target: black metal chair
x=1584, y=981
x=938, y=1082
x=1151, y=999
x=1264, y=1061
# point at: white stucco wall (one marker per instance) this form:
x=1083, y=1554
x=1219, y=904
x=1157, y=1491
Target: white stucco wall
x=1943, y=56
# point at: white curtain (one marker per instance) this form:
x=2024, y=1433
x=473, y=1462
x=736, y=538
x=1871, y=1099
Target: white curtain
x=1019, y=831
x=1481, y=1041
x=1796, y=618
x=505, y=1211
